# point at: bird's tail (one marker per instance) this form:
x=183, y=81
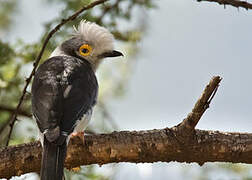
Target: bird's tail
x=52, y=167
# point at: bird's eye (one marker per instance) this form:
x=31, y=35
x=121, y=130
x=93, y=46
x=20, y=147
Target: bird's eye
x=85, y=50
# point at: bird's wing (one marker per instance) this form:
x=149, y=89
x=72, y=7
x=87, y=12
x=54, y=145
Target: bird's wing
x=79, y=96
x=83, y=122
x=64, y=89
x=47, y=96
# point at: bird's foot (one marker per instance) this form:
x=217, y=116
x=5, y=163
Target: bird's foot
x=76, y=169
x=79, y=134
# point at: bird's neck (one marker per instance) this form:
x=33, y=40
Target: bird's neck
x=94, y=64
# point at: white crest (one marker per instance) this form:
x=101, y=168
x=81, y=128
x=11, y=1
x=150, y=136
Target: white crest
x=99, y=37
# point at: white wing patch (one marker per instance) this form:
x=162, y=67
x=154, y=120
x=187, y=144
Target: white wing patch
x=82, y=124
x=40, y=135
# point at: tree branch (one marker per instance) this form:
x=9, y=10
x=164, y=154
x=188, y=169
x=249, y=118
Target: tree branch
x=12, y=110
x=136, y=146
x=106, y=9
x=165, y=145
x=35, y=64
x=201, y=105
x=6, y=124
x=235, y=3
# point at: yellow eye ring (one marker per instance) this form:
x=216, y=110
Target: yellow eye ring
x=85, y=50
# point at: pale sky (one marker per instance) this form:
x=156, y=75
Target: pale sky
x=187, y=43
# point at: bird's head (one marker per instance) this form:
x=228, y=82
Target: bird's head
x=90, y=42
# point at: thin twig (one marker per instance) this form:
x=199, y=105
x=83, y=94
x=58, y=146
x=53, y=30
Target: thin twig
x=35, y=64
x=12, y=110
x=106, y=9
x=235, y=3
x=201, y=105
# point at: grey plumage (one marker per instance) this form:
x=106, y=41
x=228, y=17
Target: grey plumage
x=65, y=90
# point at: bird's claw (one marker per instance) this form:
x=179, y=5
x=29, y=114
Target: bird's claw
x=79, y=134
x=75, y=169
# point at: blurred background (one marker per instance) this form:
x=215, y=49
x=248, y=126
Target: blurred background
x=172, y=49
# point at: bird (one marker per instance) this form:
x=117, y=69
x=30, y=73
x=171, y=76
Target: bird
x=64, y=92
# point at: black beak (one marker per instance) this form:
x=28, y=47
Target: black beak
x=113, y=53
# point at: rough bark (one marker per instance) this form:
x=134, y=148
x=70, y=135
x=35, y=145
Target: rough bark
x=201, y=105
x=181, y=143
x=137, y=146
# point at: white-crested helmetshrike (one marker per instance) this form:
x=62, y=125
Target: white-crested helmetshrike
x=64, y=91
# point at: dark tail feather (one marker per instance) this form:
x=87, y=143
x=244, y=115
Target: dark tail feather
x=52, y=167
